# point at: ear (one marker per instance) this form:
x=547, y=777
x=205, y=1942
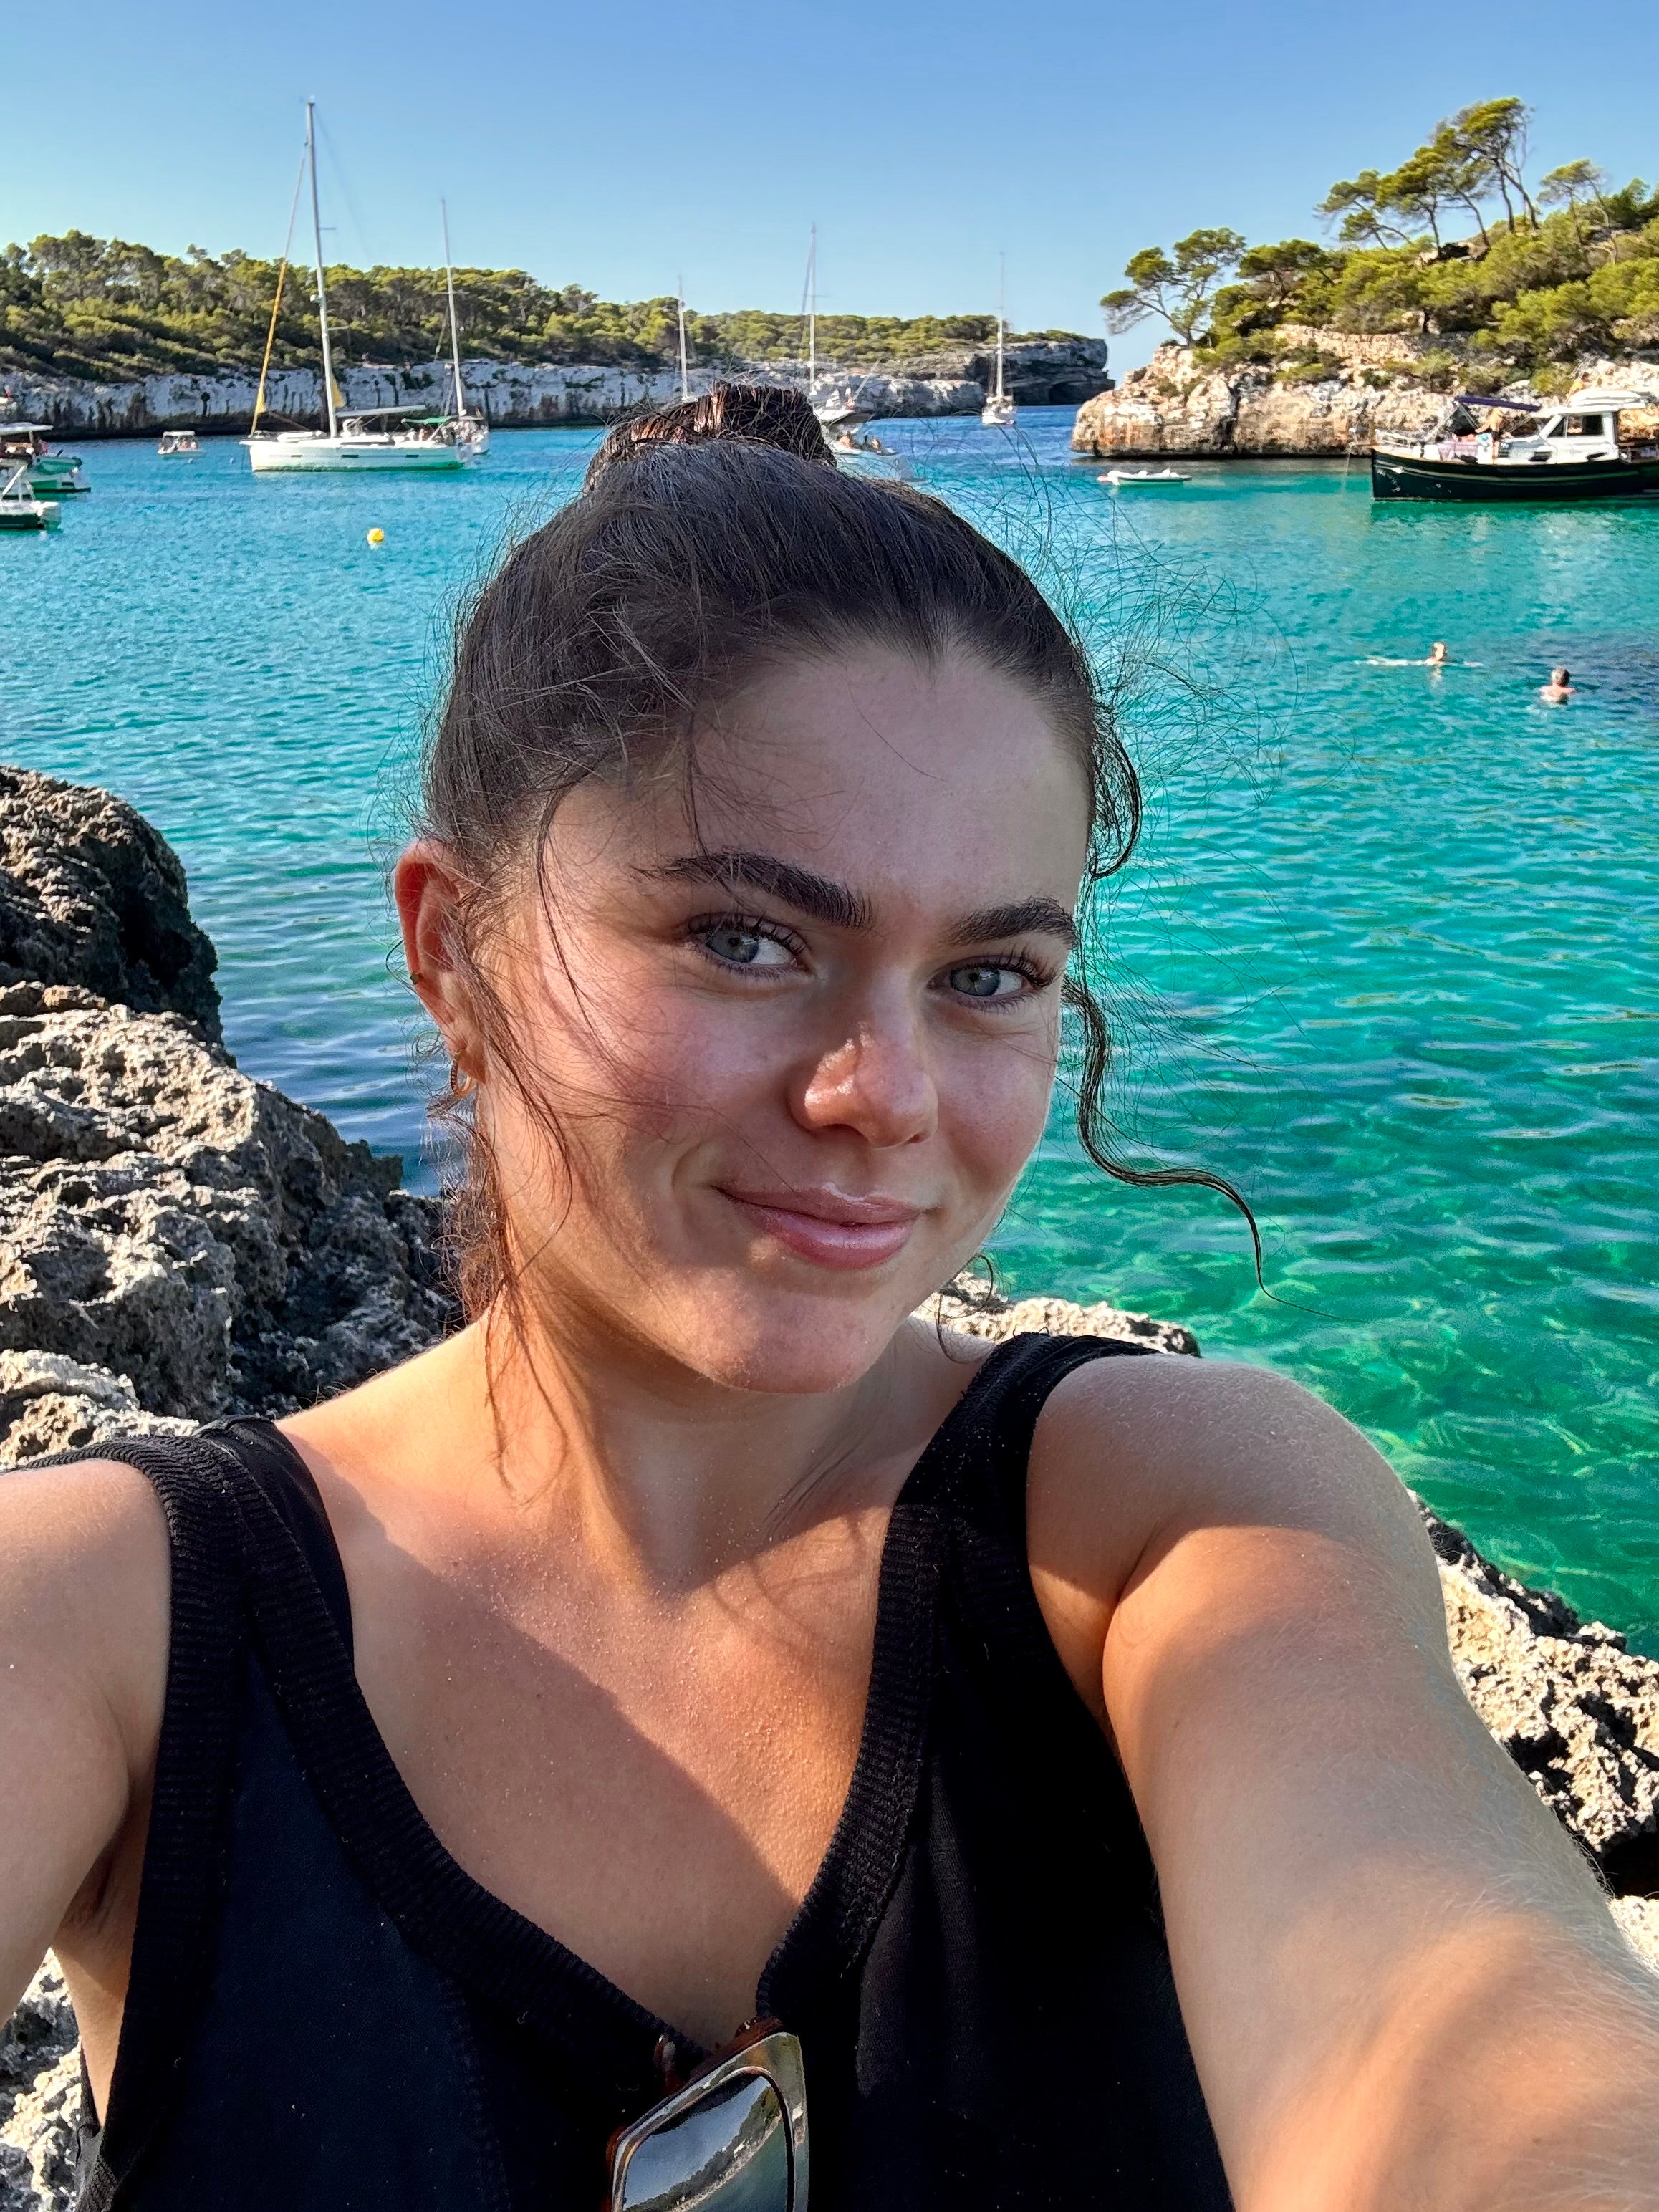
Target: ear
x=429, y=891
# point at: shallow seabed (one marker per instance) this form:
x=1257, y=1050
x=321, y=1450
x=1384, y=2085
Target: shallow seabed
x=1388, y=954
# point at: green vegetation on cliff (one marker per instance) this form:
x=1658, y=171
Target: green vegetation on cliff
x=77, y=306
x=1545, y=273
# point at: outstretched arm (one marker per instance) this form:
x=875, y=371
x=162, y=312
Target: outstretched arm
x=1401, y=1980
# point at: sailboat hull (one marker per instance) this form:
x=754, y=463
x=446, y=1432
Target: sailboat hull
x=315, y=451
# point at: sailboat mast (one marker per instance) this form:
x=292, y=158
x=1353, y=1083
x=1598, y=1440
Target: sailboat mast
x=685, y=381
x=812, y=313
x=454, y=326
x=1002, y=302
x=322, y=286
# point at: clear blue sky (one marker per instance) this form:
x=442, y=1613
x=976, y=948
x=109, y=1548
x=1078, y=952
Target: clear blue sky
x=616, y=146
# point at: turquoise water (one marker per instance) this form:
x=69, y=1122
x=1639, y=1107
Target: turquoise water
x=1387, y=955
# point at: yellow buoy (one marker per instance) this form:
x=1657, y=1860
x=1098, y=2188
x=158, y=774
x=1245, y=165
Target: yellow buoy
x=377, y=537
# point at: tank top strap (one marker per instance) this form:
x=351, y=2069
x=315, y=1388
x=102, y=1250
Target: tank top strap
x=267, y=1459
x=975, y=1470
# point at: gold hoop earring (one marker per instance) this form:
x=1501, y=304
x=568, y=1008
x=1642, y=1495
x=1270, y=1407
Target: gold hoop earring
x=461, y=1084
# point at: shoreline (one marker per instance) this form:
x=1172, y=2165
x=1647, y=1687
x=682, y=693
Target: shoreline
x=520, y=396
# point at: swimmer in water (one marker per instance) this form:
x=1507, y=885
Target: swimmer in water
x=1559, y=689
x=1439, y=657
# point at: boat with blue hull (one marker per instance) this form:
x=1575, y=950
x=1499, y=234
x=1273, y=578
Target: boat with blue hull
x=1573, y=452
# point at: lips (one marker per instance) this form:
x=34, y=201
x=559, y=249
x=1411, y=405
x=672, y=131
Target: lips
x=828, y=1228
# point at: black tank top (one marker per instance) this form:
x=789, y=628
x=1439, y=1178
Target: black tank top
x=327, y=2015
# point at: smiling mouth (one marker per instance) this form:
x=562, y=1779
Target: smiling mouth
x=827, y=1229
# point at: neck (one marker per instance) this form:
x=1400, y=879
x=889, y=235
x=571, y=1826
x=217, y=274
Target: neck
x=660, y=1476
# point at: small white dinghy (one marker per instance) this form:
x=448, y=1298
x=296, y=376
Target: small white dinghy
x=1143, y=476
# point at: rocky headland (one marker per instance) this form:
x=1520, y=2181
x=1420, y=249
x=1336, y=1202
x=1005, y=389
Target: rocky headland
x=515, y=395
x=1326, y=395
x=179, y=1240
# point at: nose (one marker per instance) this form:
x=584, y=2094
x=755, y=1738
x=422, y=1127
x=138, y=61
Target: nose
x=876, y=1082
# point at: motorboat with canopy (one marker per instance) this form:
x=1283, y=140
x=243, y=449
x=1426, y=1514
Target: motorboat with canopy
x=49, y=470
x=1570, y=450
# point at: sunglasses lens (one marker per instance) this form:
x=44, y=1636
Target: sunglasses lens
x=728, y=2153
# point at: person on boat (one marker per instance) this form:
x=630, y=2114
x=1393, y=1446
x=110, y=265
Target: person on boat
x=1560, y=687
x=1057, y=1741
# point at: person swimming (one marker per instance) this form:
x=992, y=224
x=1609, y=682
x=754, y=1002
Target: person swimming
x=1439, y=656
x=1559, y=689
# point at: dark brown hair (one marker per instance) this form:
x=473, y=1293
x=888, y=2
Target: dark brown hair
x=709, y=540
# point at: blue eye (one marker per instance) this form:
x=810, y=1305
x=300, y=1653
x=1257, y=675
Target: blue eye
x=982, y=982
x=741, y=947
x=740, y=944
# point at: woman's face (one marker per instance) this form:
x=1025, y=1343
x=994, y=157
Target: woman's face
x=799, y=1052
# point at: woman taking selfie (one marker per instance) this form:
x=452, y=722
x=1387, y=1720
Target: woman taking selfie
x=1034, y=1777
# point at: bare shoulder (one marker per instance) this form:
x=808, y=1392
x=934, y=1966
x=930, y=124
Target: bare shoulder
x=93, y=1517
x=1135, y=1458
x=1139, y=1451
x=84, y=1575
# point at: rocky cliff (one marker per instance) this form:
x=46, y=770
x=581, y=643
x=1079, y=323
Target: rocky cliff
x=515, y=395
x=1330, y=394
x=179, y=1240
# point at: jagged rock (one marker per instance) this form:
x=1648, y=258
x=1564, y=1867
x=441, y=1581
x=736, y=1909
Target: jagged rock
x=91, y=895
x=1577, y=1710
x=167, y=1220
x=39, y=2098
x=970, y=1306
x=51, y=1404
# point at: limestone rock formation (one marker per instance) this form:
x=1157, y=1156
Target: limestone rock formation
x=90, y=894
x=1176, y=406
x=973, y=1309
x=168, y=1221
x=1575, y=1710
x=528, y=395
x=1353, y=390
x=39, y=2098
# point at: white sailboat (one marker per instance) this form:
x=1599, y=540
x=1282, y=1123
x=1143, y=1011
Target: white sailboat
x=831, y=408
x=470, y=431
x=998, y=412
x=368, y=441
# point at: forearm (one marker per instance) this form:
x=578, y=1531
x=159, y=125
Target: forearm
x=1511, y=2067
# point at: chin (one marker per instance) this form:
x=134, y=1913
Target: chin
x=791, y=1344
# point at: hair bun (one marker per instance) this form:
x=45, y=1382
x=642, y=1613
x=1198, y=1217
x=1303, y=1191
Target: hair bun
x=741, y=414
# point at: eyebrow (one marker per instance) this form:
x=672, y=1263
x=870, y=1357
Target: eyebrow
x=1031, y=917
x=842, y=907
x=820, y=897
